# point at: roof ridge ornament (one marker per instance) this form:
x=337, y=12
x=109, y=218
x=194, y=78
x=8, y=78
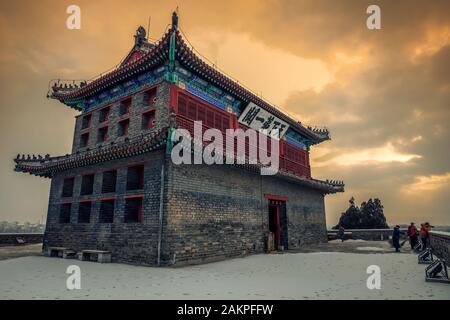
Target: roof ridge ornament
x=175, y=19
x=140, y=37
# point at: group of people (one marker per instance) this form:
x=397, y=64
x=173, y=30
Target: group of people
x=414, y=235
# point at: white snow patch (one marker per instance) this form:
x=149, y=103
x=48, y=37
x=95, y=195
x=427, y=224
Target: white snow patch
x=349, y=240
x=282, y=276
x=370, y=249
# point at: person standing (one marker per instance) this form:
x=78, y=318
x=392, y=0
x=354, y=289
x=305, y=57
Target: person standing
x=341, y=233
x=396, y=238
x=423, y=236
x=412, y=234
x=428, y=227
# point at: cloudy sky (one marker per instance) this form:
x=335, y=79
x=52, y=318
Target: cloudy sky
x=384, y=94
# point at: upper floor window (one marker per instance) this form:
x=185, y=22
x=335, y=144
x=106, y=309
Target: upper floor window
x=84, y=140
x=122, y=129
x=64, y=212
x=102, y=134
x=125, y=107
x=150, y=97
x=109, y=181
x=135, y=177
x=104, y=114
x=148, y=119
x=67, y=190
x=86, y=121
x=87, y=184
x=210, y=116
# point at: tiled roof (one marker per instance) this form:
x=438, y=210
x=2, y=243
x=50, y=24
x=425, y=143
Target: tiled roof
x=185, y=56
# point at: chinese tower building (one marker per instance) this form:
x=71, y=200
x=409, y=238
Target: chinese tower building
x=119, y=191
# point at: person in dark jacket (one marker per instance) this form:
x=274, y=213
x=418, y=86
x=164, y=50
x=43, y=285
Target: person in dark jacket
x=412, y=234
x=341, y=233
x=396, y=238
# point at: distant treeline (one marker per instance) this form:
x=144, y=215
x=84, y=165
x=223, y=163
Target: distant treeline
x=16, y=227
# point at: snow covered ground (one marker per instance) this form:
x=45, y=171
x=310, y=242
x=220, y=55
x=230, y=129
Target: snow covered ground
x=322, y=275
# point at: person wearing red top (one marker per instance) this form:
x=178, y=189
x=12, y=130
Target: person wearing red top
x=412, y=234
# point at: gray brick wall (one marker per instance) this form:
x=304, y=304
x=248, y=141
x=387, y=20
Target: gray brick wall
x=138, y=105
x=209, y=213
x=216, y=212
x=128, y=242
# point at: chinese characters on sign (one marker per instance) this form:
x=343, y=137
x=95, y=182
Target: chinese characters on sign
x=257, y=118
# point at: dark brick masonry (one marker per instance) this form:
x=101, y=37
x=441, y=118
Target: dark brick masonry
x=210, y=213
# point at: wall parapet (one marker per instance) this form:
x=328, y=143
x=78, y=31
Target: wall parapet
x=440, y=242
x=366, y=234
x=8, y=239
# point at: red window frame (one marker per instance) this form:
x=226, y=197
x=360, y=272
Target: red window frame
x=89, y=121
x=108, y=113
x=150, y=95
x=274, y=197
x=149, y=117
x=141, y=204
x=106, y=136
x=125, y=122
x=84, y=144
x=128, y=102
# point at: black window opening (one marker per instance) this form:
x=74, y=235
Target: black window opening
x=87, y=184
x=106, y=214
x=67, y=190
x=84, y=139
x=109, y=181
x=133, y=210
x=135, y=178
x=102, y=135
x=64, y=212
x=148, y=119
x=104, y=115
x=86, y=122
x=125, y=107
x=84, y=212
x=122, y=129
